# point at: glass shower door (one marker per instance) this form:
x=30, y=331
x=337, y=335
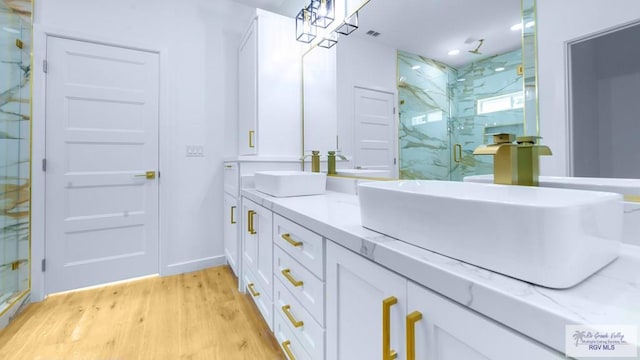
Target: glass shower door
x=15, y=40
x=424, y=114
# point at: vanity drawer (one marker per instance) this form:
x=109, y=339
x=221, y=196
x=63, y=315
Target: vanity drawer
x=288, y=342
x=308, y=332
x=301, y=283
x=259, y=296
x=303, y=245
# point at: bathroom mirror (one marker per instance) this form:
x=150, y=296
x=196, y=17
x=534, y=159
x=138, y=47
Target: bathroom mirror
x=416, y=88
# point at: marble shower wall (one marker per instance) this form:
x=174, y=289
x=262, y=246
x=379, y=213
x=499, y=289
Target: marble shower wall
x=438, y=109
x=15, y=146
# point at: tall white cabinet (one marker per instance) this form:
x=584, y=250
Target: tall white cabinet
x=269, y=88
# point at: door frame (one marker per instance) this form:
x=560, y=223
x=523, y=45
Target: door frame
x=396, y=121
x=38, y=144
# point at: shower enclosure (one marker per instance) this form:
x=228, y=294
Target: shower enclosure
x=15, y=145
x=445, y=113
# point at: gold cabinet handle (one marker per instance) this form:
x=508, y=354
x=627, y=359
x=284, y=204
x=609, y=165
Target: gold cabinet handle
x=387, y=352
x=292, y=280
x=288, y=239
x=250, y=287
x=251, y=135
x=287, y=311
x=412, y=319
x=285, y=346
x=250, y=227
x=233, y=220
x=457, y=153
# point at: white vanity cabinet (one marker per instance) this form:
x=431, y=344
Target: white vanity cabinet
x=369, y=306
x=269, y=88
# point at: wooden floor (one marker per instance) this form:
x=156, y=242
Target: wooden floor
x=199, y=315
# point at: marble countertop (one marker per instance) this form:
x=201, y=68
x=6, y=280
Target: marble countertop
x=610, y=296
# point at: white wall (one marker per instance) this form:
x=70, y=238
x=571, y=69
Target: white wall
x=559, y=22
x=198, y=42
x=364, y=64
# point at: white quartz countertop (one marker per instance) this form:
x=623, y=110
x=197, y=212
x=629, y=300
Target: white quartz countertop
x=611, y=296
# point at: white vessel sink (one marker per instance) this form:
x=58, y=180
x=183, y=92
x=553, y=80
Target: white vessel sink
x=550, y=237
x=290, y=183
x=629, y=188
x=366, y=173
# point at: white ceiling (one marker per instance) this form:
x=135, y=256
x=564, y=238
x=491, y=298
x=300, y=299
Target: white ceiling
x=285, y=7
x=432, y=28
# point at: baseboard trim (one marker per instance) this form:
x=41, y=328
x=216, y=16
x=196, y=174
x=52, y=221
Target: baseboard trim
x=193, y=265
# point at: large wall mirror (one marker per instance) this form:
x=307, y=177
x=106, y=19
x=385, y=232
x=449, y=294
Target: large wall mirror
x=421, y=84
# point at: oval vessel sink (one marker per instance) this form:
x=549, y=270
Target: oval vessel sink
x=549, y=237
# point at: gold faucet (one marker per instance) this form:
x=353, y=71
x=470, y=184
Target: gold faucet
x=331, y=162
x=315, y=160
x=505, y=158
x=529, y=159
x=515, y=164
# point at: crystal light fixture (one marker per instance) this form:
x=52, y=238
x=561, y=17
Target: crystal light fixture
x=305, y=31
x=323, y=13
x=329, y=40
x=349, y=25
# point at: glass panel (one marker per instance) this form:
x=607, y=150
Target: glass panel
x=15, y=146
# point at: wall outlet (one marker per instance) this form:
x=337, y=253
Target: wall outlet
x=195, y=151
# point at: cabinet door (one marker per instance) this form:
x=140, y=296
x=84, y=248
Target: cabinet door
x=449, y=331
x=258, y=243
x=356, y=291
x=231, y=232
x=247, y=87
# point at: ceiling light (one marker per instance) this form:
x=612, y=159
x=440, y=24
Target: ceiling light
x=454, y=52
x=324, y=13
x=517, y=27
x=529, y=24
x=499, y=69
x=415, y=67
x=349, y=25
x=305, y=31
x=461, y=79
x=329, y=40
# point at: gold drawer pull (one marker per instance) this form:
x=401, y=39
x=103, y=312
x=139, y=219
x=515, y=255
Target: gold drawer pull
x=285, y=346
x=412, y=319
x=251, y=289
x=233, y=220
x=250, y=225
x=292, y=280
x=287, y=311
x=251, y=135
x=387, y=352
x=288, y=239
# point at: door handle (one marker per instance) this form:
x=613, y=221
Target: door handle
x=387, y=352
x=286, y=346
x=457, y=153
x=150, y=175
x=287, y=238
x=412, y=319
x=287, y=274
x=287, y=311
x=253, y=291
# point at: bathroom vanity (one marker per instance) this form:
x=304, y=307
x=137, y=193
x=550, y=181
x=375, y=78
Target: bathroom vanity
x=332, y=289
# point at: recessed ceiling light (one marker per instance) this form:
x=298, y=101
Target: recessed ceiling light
x=415, y=67
x=454, y=52
x=11, y=30
x=517, y=27
x=461, y=79
x=499, y=69
x=529, y=24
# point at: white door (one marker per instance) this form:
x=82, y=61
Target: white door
x=358, y=291
x=258, y=243
x=375, y=130
x=101, y=138
x=247, y=98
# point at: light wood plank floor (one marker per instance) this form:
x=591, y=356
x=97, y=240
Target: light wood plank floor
x=198, y=315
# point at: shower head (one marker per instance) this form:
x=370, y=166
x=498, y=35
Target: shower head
x=477, y=49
